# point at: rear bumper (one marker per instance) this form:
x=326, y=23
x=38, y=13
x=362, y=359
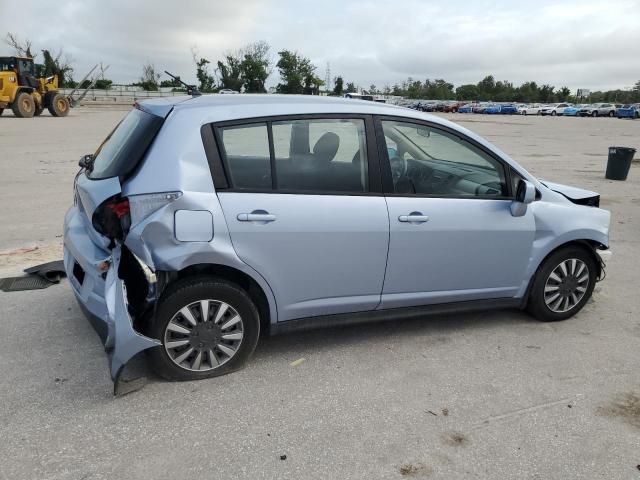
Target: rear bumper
x=90, y=292
x=101, y=294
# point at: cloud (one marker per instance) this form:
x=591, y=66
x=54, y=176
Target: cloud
x=589, y=43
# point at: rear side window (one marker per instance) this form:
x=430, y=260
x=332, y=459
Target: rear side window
x=246, y=150
x=305, y=155
x=321, y=155
x=125, y=146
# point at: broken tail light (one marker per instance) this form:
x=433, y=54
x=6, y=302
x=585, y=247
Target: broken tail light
x=112, y=218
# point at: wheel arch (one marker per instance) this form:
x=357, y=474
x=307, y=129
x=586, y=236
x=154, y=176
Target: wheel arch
x=587, y=244
x=234, y=275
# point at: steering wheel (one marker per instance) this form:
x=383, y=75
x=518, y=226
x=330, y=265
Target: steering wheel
x=398, y=167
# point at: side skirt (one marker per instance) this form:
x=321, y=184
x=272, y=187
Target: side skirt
x=393, y=314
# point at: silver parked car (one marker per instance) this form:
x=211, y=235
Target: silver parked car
x=201, y=222
x=598, y=110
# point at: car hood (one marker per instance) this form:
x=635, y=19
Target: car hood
x=576, y=195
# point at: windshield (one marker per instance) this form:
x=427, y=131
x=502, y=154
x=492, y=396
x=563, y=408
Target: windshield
x=125, y=146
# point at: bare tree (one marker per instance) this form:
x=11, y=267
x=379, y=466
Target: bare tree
x=149, y=79
x=21, y=48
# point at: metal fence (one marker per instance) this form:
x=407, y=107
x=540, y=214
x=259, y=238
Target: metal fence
x=117, y=94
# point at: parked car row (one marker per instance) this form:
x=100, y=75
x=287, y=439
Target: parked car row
x=507, y=108
x=556, y=109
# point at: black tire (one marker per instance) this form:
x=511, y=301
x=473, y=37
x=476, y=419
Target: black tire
x=58, y=105
x=1, y=110
x=553, y=113
x=185, y=292
x=38, y=111
x=23, y=106
x=612, y=113
x=537, y=306
x=594, y=113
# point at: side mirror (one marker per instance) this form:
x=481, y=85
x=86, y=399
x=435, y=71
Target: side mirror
x=525, y=194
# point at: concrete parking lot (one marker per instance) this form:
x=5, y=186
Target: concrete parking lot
x=490, y=395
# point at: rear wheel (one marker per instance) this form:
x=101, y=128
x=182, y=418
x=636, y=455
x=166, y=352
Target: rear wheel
x=612, y=113
x=58, y=105
x=208, y=327
x=563, y=284
x=1, y=110
x=23, y=106
x=594, y=113
x=38, y=111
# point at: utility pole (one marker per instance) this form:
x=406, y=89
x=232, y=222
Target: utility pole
x=327, y=78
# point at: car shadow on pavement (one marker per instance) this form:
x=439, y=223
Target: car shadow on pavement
x=436, y=327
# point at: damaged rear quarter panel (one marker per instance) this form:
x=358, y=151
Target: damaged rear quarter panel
x=177, y=162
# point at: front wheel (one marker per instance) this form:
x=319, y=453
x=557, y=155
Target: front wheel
x=208, y=327
x=612, y=113
x=553, y=113
x=58, y=105
x=594, y=114
x=1, y=110
x=563, y=284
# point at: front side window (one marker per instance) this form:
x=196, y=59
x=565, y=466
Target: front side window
x=429, y=161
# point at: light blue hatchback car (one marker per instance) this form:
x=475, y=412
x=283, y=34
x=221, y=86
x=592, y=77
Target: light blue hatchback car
x=203, y=221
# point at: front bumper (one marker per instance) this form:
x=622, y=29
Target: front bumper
x=101, y=294
x=604, y=255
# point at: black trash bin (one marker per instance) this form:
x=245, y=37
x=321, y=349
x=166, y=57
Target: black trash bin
x=619, y=162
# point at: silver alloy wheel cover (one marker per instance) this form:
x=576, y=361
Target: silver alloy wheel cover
x=203, y=335
x=566, y=285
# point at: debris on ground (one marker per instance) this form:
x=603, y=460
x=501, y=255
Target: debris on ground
x=295, y=363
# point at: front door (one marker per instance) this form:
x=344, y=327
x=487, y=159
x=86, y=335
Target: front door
x=302, y=210
x=452, y=235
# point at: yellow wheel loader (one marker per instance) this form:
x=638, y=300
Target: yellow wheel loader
x=26, y=94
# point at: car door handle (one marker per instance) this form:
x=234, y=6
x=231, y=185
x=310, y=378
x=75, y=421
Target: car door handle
x=413, y=218
x=256, y=217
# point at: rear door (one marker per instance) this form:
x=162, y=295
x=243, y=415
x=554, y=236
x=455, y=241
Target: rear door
x=304, y=209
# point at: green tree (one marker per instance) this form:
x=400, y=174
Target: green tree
x=373, y=89
x=547, y=94
x=230, y=72
x=170, y=83
x=255, y=67
x=57, y=65
x=297, y=74
x=206, y=81
x=563, y=94
x=467, y=92
x=486, y=88
x=338, y=88
x=351, y=88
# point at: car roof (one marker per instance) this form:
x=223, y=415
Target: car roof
x=232, y=107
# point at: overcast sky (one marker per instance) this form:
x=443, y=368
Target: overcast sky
x=581, y=44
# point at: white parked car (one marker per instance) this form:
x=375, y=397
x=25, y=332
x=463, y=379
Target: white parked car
x=529, y=109
x=554, y=109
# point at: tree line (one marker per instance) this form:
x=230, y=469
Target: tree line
x=248, y=68
x=488, y=89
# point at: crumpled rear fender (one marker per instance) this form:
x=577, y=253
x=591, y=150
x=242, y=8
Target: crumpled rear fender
x=123, y=341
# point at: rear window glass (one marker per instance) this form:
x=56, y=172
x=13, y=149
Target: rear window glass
x=246, y=150
x=125, y=146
